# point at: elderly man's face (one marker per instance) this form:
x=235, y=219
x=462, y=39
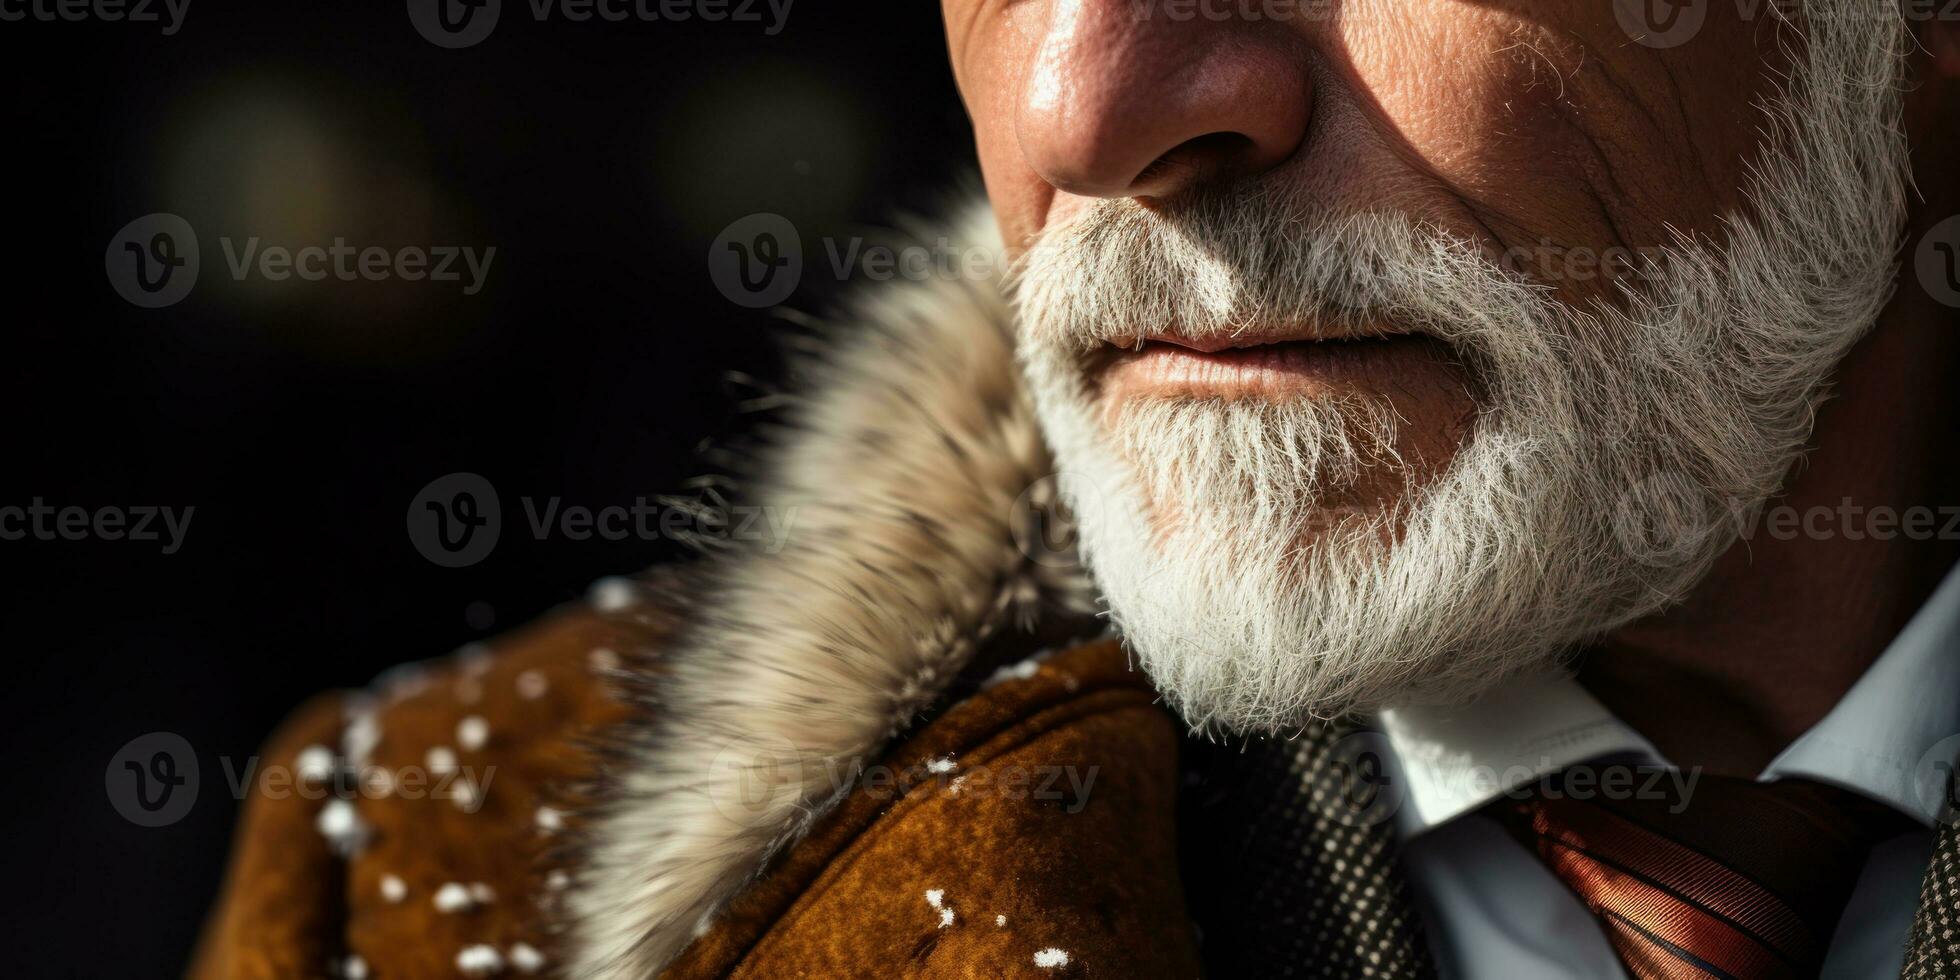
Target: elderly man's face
x=1376, y=337
x=1523, y=122
x=1539, y=128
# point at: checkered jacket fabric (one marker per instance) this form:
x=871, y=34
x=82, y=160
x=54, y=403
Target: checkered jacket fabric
x=1934, y=951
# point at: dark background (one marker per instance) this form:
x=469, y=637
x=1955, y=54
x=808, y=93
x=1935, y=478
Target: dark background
x=300, y=419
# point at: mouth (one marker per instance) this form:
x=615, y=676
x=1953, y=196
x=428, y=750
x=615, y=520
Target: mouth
x=1271, y=365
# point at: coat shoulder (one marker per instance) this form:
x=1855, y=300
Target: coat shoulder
x=405, y=829
x=1027, y=829
x=273, y=919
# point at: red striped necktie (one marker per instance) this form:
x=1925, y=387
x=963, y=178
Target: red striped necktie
x=1738, y=879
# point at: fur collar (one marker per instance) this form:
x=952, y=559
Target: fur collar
x=905, y=458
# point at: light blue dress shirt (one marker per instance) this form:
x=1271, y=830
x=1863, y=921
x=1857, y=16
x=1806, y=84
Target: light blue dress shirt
x=1494, y=912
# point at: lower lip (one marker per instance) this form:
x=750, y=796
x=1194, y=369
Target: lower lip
x=1307, y=367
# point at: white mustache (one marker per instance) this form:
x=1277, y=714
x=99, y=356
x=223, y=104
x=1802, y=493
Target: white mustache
x=1247, y=261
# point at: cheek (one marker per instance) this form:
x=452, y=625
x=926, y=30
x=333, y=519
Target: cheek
x=1545, y=119
x=1455, y=91
x=1021, y=200
x=1467, y=114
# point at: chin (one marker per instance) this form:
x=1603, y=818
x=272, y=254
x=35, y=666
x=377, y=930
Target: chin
x=1263, y=551
x=1308, y=442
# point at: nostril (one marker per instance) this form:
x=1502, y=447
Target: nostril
x=1112, y=105
x=1196, y=159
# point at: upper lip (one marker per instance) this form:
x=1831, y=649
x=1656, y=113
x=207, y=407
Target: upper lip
x=1249, y=338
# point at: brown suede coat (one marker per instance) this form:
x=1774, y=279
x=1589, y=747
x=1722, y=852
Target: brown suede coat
x=1017, y=857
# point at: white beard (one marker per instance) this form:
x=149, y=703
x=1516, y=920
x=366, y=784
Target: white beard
x=1613, y=454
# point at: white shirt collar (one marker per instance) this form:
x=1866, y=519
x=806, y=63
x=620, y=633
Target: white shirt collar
x=1881, y=739
x=1878, y=741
